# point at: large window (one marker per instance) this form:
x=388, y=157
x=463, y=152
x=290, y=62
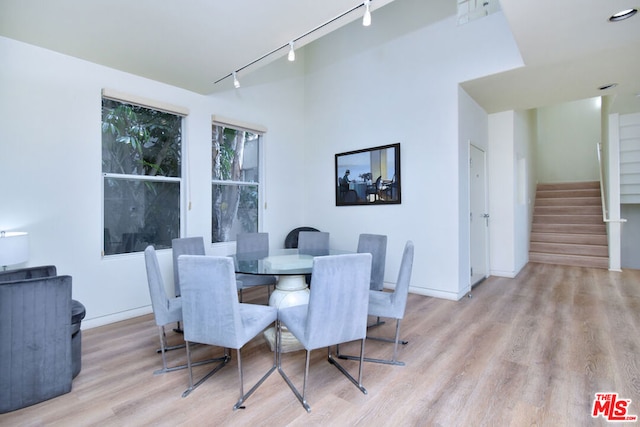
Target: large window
x=235, y=182
x=141, y=166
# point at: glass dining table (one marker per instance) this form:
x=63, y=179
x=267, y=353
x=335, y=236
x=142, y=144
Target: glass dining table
x=290, y=267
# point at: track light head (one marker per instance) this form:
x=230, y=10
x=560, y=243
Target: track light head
x=292, y=53
x=366, y=19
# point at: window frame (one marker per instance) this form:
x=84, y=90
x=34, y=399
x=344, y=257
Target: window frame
x=260, y=131
x=138, y=101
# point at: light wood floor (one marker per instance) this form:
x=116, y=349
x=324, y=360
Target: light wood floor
x=521, y=352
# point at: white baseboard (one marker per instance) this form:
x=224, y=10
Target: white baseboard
x=434, y=293
x=500, y=273
x=115, y=317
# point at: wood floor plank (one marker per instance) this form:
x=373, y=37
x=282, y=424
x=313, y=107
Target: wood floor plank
x=532, y=350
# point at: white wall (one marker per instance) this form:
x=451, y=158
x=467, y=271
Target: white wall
x=473, y=127
x=396, y=81
x=525, y=143
x=512, y=180
x=501, y=161
x=51, y=165
x=393, y=82
x=567, y=135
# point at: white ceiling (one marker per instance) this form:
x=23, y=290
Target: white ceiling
x=568, y=46
x=570, y=49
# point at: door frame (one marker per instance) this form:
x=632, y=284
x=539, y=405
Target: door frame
x=475, y=279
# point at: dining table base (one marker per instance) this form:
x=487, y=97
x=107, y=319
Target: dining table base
x=290, y=291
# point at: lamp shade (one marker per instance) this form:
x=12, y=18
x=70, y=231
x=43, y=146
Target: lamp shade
x=14, y=247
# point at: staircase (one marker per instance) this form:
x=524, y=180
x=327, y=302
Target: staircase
x=567, y=226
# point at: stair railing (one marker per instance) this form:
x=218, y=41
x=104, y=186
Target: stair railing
x=605, y=210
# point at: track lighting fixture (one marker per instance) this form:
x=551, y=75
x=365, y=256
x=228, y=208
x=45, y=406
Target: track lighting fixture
x=622, y=15
x=366, y=19
x=292, y=53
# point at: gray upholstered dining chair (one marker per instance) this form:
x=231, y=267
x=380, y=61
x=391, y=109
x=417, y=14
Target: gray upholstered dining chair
x=291, y=241
x=184, y=246
x=376, y=245
x=165, y=310
x=212, y=314
x=391, y=305
x=336, y=313
x=314, y=243
x=253, y=243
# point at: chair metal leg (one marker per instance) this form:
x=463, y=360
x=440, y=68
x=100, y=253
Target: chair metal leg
x=301, y=397
x=223, y=361
x=164, y=348
x=178, y=329
x=378, y=322
x=244, y=397
x=163, y=342
x=358, y=382
x=395, y=342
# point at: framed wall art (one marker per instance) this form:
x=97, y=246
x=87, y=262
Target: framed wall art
x=370, y=176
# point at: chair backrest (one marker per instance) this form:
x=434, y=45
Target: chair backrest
x=291, y=241
x=338, y=299
x=376, y=245
x=399, y=297
x=252, y=243
x=379, y=183
x=28, y=273
x=314, y=243
x=184, y=246
x=159, y=299
x=210, y=307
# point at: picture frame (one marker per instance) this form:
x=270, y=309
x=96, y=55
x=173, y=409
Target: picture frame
x=370, y=176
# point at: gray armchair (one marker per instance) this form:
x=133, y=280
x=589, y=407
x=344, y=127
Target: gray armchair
x=40, y=337
x=336, y=313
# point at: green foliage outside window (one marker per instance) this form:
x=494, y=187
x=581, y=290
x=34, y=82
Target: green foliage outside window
x=141, y=163
x=235, y=190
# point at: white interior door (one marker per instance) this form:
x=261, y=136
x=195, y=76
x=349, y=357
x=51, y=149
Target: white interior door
x=479, y=215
